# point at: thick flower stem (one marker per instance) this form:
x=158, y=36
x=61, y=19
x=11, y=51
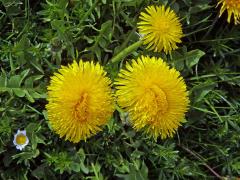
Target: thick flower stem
x=126, y=52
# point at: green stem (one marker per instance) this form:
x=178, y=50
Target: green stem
x=88, y=12
x=120, y=110
x=126, y=41
x=126, y=52
x=203, y=161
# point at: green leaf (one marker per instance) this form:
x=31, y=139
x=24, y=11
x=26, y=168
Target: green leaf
x=29, y=97
x=24, y=156
x=39, y=172
x=143, y=172
x=84, y=168
x=19, y=92
x=3, y=81
x=193, y=57
x=201, y=90
x=75, y=167
x=14, y=81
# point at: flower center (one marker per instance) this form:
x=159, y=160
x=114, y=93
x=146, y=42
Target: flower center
x=161, y=25
x=158, y=100
x=21, y=139
x=233, y=4
x=81, y=111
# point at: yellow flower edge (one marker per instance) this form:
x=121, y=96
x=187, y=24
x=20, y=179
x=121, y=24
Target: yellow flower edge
x=154, y=95
x=80, y=101
x=233, y=9
x=161, y=29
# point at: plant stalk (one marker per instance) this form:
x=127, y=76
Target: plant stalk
x=126, y=52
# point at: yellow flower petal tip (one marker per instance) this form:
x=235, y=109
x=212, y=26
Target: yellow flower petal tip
x=160, y=28
x=154, y=95
x=79, y=100
x=233, y=9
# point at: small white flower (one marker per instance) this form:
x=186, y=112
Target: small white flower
x=20, y=139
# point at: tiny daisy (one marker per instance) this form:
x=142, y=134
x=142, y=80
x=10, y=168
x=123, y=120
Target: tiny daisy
x=20, y=139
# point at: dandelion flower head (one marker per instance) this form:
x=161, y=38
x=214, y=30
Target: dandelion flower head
x=80, y=100
x=160, y=28
x=154, y=95
x=233, y=9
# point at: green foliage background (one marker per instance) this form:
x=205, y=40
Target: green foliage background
x=36, y=37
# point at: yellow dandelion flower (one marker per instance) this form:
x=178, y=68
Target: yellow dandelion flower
x=160, y=28
x=233, y=9
x=80, y=100
x=154, y=95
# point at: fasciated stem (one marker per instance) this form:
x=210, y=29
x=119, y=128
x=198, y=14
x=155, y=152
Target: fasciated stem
x=125, y=52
